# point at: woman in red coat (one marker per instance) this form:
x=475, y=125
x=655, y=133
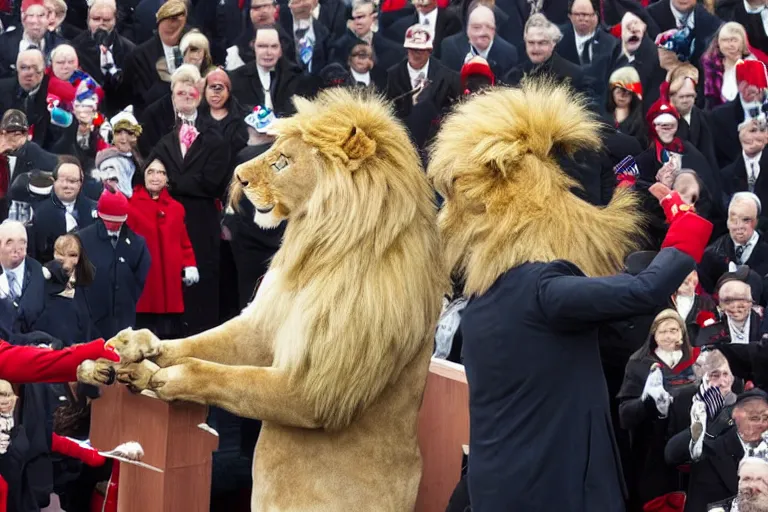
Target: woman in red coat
x=159, y=218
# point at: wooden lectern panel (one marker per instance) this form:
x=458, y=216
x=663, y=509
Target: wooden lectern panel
x=443, y=429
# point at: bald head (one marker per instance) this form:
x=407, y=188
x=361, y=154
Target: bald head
x=13, y=244
x=481, y=27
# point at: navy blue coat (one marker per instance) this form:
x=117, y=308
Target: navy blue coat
x=120, y=275
x=502, y=56
x=25, y=311
x=540, y=427
x=49, y=223
x=67, y=319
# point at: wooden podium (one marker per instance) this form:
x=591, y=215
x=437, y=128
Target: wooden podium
x=443, y=429
x=172, y=441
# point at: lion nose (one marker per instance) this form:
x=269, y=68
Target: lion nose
x=265, y=210
x=241, y=180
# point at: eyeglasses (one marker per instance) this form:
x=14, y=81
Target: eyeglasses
x=582, y=14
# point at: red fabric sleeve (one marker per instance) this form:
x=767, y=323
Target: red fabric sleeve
x=70, y=448
x=23, y=365
x=690, y=234
x=3, y=495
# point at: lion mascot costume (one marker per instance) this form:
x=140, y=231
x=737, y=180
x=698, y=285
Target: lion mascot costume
x=333, y=353
x=538, y=265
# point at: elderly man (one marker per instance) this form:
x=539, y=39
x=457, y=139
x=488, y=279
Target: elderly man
x=541, y=37
x=479, y=39
x=103, y=52
x=34, y=35
x=386, y=53
x=715, y=471
x=584, y=42
x=21, y=287
x=745, y=173
x=66, y=210
x=263, y=13
x=311, y=39
x=442, y=23
x=742, y=245
x=752, y=82
x=269, y=79
x=152, y=63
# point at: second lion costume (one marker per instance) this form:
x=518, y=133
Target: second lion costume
x=537, y=263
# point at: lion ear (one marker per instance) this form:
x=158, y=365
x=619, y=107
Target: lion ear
x=358, y=146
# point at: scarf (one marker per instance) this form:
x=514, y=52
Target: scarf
x=675, y=146
x=671, y=359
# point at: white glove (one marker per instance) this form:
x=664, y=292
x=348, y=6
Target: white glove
x=233, y=59
x=698, y=427
x=654, y=387
x=5, y=442
x=191, y=276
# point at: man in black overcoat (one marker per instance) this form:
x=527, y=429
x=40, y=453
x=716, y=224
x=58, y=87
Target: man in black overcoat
x=442, y=22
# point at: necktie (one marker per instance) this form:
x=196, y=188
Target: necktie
x=33, y=46
x=113, y=239
x=425, y=21
x=300, y=33
x=418, y=80
x=740, y=252
x=752, y=178
x=584, y=57
x=178, y=59
x=11, y=286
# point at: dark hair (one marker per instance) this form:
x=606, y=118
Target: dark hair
x=635, y=122
x=70, y=160
x=360, y=42
x=85, y=272
x=595, y=7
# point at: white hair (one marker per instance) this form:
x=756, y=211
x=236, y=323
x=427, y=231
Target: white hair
x=541, y=22
x=185, y=74
x=10, y=227
x=63, y=48
x=740, y=197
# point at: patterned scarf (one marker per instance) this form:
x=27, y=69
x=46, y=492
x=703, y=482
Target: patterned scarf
x=713, y=77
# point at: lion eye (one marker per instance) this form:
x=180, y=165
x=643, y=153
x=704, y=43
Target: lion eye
x=282, y=163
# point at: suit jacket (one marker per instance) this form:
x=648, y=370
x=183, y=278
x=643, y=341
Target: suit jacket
x=9, y=49
x=699, y=133
x=27, y=308
x=603, y=45
x=444, y=88
x=705, y=25
x=734, y=178
x=287, y=81
x=646, y=63
x=141, y=70
x=727, y=118
x=333, y=16
x=446, y=25
x=501, y=57
x=321, y=51
x=386, y=52
x=721, y=252
x=50, y=222
x=557, y=67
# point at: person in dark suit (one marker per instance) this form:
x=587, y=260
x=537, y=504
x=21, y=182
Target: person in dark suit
x=541, y=37
x=420, y=87
x=742, y=245
x=107, y=68
x=479, y=39
x=509, y=18
x=34, y=34
x=750, y=77
x=122, y=262
x=28, y=92
x=311, y=38
x=270, y=79
x=387, y=53
x=21, y=286
x=262, y=14
x=27, y=155
x=584, y=42
x=637, y=50
x=333, y=15
x=670, y=14
x=745, y=173
x=442, y=22
x=365, y=71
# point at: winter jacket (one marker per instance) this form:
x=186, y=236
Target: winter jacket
x=161, y=223
x=50, y=222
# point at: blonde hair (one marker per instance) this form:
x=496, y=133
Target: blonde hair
x=735, y=29
x=678, y=76
x=624, y=75
x=185, y=74
x=541, y=22
x=194, y=38
x=59, y=7
x=64, y=48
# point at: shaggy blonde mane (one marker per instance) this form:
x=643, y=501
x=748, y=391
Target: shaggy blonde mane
x=507, y=200
x=360, y=264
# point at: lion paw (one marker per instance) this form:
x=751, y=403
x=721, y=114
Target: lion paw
x=136, y=376
x=96, y=373
x=134, y=346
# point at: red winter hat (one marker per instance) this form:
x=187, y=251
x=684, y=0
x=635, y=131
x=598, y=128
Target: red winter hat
x=26, y=4
x=112, y=206
x=476, y=66
x=661, y=108
x=670, y=502
x=753, y=72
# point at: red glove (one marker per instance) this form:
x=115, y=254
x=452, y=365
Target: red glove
x=23, y=365
x=626, y=181
x=70, y=448
x=3, y=495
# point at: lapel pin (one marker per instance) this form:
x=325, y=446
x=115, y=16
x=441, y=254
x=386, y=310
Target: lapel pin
x=121, y=259
x=128, y=241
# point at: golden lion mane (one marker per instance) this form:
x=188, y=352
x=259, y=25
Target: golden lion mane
x=507, y=202
x=359, y=275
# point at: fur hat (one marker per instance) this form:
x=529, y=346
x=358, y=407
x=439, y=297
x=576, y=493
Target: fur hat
x=663, y=112
x=106, y=154
x=260, y=119
x=418, y=37
x=678, y=41
x=171, y=9
x=195, y=39
x=218, y=76
x=476, y=66
x=112, y=206
x=125, y=120
x=628, y=79
x=26, y=4
x=753, y=72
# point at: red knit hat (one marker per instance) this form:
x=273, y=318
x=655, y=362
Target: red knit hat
x=671, y=502
x=661, y=108
x=476, y=66
x=112, y=206
x=26, y=4
x=753, y=72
